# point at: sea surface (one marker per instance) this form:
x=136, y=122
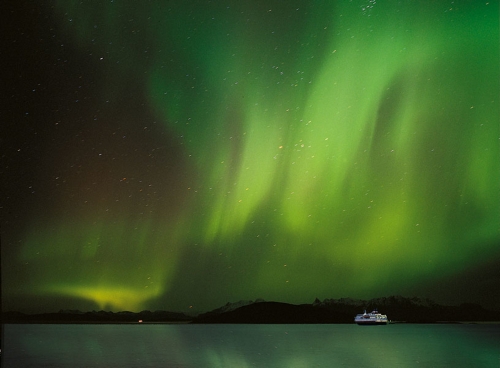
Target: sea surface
x=186, y=345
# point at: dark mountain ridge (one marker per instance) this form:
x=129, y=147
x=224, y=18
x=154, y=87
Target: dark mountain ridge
x=76, y=316
x=275, y=312
x=397, y=309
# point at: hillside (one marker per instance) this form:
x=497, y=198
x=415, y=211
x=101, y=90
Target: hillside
x=397, y=308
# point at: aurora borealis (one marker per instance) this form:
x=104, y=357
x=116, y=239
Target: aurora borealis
x=173, y=154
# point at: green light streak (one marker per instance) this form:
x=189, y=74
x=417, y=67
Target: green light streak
x=111, y=264
x=345, y=152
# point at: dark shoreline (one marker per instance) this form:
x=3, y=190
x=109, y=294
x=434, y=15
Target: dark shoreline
x=329, y=311
x=223, y=323
x=101, y=317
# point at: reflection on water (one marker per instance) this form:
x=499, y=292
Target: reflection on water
x=164, y=345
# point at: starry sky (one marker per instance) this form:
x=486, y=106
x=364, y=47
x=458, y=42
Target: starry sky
x=178, y=155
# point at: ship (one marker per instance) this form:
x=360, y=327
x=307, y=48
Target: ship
x=373, y=318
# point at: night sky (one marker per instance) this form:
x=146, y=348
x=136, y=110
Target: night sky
x=178, y=155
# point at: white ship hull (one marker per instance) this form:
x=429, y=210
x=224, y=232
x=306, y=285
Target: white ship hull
x=371, y=323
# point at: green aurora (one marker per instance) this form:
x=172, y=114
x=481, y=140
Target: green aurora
x=300, y=149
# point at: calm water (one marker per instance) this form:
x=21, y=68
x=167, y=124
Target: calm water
x=164, y=345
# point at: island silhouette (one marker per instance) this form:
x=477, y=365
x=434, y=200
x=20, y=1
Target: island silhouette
x=398, y=309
